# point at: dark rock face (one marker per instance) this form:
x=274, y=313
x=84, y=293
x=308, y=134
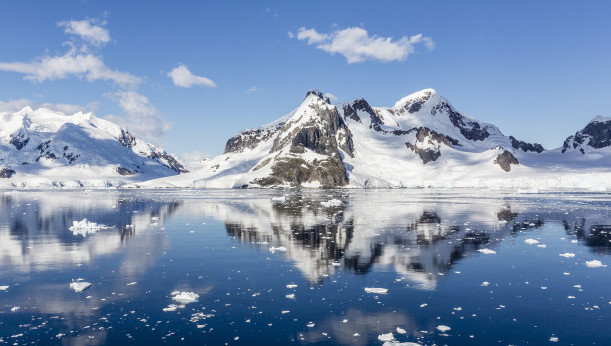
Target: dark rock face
x=45, y=152
x=505, y=160
x=350, y=111
x=19, y=140
x=249, y=139
x=6, y=173
x=525, y=147
x=596, y=134
x=125, y=171
x=171, y=161
x=431, y=137
x=127, y=139
x=414, y=105
x=471, y=130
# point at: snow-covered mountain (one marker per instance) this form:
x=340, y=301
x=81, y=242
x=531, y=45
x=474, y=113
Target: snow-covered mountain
x=421, y=141
x=40, y=148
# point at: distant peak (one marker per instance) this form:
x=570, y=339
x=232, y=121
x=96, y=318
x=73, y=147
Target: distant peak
x=318, y=94
x=413, y=102
x=600, y=119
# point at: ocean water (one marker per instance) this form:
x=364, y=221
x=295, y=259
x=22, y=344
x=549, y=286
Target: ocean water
x=332, y=267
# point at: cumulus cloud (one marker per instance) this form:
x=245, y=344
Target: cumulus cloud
x=356, y=45
x=331, y=97
x=87, y=30
x=252, y=89
x=13, y=106
x=80, y=65
x=182, y=77
x=141, y=116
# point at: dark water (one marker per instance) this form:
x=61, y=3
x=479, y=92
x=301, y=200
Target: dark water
x=238, y=250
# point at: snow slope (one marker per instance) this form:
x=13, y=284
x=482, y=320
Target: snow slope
x=41, y=148
x=422, y=141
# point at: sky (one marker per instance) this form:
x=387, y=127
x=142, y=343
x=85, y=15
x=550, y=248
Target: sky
x=188, y=75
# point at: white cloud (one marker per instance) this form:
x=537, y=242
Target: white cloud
x=87, y=30
x=252, y=89
x=356, y=45
x=80, y=65
x=291, y=35
x=13, y=106
x=141, y=116
x=331, y=96
x=182, y=77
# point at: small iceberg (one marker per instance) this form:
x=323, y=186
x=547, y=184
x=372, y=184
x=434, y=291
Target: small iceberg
x=487, y=251
x=80, y=286
x=386, y=337
x=594, y=264
x=443, y=328
x=85, y=227
x=531, y=241
x=279, y=248
x=332, y=203
x=4, y=288
x=567, y=254
x=185, y=297
x=376, y=290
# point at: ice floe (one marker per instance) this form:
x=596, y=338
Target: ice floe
x=184, y=297
x=531, y=241
x=279, y=248
x=567, y=255
x=85, y=227
x=443, y=328
x=332, y=203
x=487, y=251
x=4, y=288
x=376, y=290
x=595, y=264
x=291, y=286
x=15, y=308
x=485, y=283
x=401, y=330
x=553, y=339
x=80, y=286
x=386, y=337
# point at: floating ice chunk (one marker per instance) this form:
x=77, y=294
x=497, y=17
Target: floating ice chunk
x=15, y=308
x=171, y=307
x=567, y=255
x=594, y=264
x=443, y=328
x=310, y=324
x=4, y=288
x=423, y=305
x=531, y=241
x=553, y=339
x=376, y=290
x=571, y=297
x=401, y=330
x=386, y=337
x=185, y=297
x=574, y=241
x=458, y=309
x=132, y=283
x=485, y=283
x=279, y=248
x=336, y=264
x=285, y=311
x=85, y=227
x=542, y=246
x=345, y=320
x=290, y=296
x=291, y=286
x=332, y=203
x=80, y=286
x=281, y=199
x=487, y=251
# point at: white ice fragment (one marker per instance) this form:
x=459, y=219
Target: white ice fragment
x=423, y=305
x=443, y=328
x=531, y=241
x=571, y=297
x=4, y=288
x=132, y=283
x=577, y=286
x=332, y=203
x=401, y=330
x=291, y=286
x=458, y=309
x=290, y=296
x=345, y=320
x=553, y=339
x=281, y=199
x=336, y=264
x=594, y=264
x=542, y=246
x=485, y=283
x=15, y=308
x=285, y=311
x=185, y=297
x=310, y=325
x=80, y=286
x=487, y=251
x=171, y=307
x=85, y=227
x=279, y=248
x=567, y=255
x=574, y=241
x=376, y=290
x=386, y=337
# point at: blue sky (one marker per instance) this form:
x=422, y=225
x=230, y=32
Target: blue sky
x=189, y=75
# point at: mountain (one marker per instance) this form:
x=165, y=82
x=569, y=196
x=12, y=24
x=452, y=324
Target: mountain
x=41, y=148
x=421, y=141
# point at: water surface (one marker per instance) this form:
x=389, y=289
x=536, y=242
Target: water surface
x=281, y=266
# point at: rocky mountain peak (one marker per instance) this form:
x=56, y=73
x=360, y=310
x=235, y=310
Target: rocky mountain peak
x=596, y=135
x=318, y=94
